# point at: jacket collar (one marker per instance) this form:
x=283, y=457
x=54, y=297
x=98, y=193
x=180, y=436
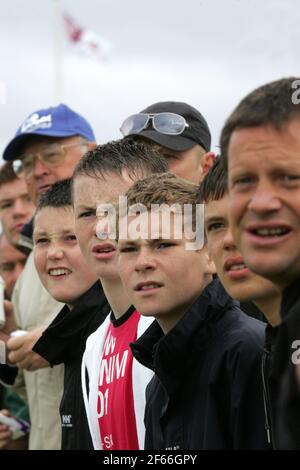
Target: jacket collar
x=79, y=317
x=290, y=296
x=172, y=354
x=68, y=328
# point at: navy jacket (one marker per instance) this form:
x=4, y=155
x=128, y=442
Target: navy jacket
x=286, y=389
x=207, y=388
x=64, y=342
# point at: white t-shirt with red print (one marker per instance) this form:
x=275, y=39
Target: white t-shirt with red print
x=114, y=383
x=115, y=405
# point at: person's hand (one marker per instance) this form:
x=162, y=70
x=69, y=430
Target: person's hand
x=10, y=322
x=5, y=433
x=20, y=351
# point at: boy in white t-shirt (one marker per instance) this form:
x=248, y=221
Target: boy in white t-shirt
x=113, y=382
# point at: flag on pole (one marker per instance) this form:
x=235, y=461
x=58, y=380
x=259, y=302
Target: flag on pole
x=85, y=41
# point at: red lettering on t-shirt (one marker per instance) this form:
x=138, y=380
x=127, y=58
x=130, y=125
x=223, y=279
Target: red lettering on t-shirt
x=115, y=405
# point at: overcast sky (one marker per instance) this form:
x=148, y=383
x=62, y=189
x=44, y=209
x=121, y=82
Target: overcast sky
x=209, y=53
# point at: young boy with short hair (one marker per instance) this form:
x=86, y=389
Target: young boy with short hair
x=66, y=276
x=240, y=283
x=113, y=383
x=206, y=354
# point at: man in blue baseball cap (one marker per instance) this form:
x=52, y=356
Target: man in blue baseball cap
x=45, y=149
x=47, y=146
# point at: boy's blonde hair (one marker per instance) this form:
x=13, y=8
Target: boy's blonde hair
x=165, y=189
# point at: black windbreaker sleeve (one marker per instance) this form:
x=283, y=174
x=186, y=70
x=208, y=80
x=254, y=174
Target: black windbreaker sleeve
x=246, y=412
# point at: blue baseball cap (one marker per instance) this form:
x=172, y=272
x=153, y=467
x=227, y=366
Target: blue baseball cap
x=57, y=121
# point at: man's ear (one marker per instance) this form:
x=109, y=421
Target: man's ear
x=210, y=265
x=91, y=145
x=206, y=163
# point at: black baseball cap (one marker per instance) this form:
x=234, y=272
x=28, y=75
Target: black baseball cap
x=197, y=131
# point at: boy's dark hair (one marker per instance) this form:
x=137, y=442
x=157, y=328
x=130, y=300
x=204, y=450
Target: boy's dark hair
x=7, y=173
x=272, y=104
x=58, y=195
x=214, y=185
x=136, y=158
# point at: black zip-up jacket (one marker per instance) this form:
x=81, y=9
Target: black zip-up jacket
x=64, y=342
x=286, y=357
x=270, y=384
x=207, y=388
x=2, y=392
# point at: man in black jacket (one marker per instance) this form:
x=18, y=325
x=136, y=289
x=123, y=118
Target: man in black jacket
x=260, y=144
x=206, y=354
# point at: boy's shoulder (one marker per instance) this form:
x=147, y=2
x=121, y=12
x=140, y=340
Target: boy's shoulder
x=89, y=310
x=243, y=336
x=215, y=296
x=142, y=324
x=226, y=322
x=72, y=328
x=95, y=342
x=214, y=325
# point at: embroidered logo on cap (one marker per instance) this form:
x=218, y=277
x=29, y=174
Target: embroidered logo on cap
x=34, y=122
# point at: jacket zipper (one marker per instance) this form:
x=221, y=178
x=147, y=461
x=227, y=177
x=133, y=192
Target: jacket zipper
x=266, y=398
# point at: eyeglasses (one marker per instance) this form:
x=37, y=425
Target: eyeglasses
x=164, y=123
x=50, y=156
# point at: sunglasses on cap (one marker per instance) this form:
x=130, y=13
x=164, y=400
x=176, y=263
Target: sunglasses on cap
x=164, y=123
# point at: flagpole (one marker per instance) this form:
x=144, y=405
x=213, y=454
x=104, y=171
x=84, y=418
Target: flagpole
x=57, y=52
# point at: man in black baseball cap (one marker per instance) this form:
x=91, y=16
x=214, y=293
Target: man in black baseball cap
x=179, y=132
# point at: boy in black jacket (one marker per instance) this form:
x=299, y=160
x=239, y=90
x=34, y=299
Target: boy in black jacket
x=239, y=282
x=67, y=277
x=206, y=354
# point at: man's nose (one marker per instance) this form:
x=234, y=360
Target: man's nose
x=145, y=261
x=264, y=199
x=39, y=168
